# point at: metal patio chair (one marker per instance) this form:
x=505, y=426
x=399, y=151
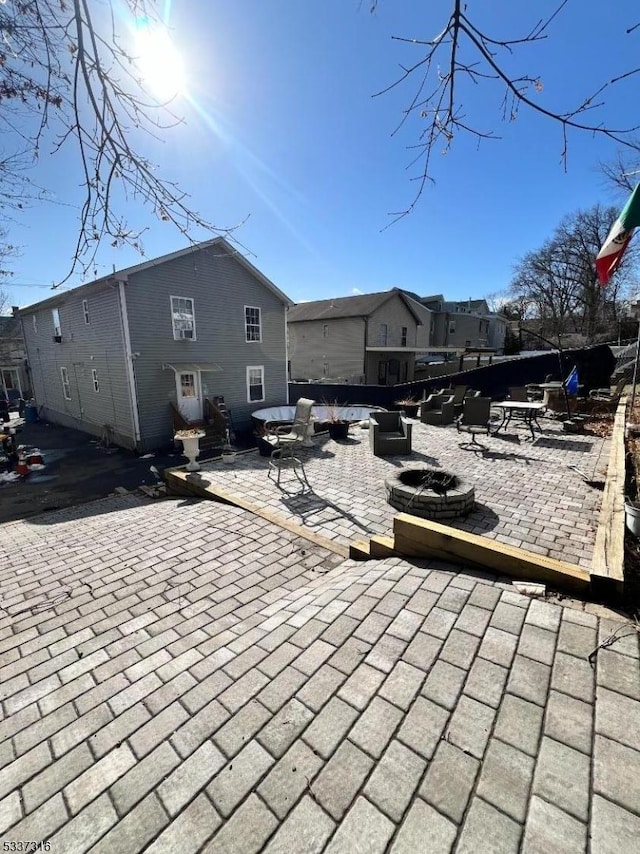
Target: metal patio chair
x=286, y=441
x=475, y=418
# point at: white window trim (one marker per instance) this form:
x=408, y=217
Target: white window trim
x=85, y=311
x=66, y=386
x=193, y=305
x=96, y=381
x=246, y=330
x=34, y=320
x=57, y=330
x=248, y=375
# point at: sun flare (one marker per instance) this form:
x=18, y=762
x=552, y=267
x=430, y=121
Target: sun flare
x=159, y=61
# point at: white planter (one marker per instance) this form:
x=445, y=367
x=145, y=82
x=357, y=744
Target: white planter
x=632, y=518
x=191, y=449
x=228, y=459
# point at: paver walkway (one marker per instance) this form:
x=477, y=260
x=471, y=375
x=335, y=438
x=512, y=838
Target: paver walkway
x=527, y=495
x=182, y=676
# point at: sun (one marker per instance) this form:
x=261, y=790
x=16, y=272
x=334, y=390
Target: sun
x=159, y=61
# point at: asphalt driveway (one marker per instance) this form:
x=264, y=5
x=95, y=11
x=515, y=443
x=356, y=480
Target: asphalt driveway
x=77, y=469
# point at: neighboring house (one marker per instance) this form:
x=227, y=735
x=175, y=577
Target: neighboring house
x=14, y=379
x=370, y=338
x=466, y=324
x=109, y=357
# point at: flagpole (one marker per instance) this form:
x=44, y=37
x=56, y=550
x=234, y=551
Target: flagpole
x=635, y=372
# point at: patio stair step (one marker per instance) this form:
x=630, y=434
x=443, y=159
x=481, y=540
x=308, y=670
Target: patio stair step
x=360, y=550
x=381, y=547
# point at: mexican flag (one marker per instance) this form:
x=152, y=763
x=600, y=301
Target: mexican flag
x=610, y=255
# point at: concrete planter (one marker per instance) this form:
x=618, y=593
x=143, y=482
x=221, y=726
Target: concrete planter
x=190, y=448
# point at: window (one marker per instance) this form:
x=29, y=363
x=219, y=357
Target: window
x=382, y=373
x=383, y=334
x=325, y=330
x=404, y=336
x=57, y=329
x=94, y=377
x=34, y=320
x=66, y=388
x=85, y=311
x=183, y=318
x=452, y=327
x=188, y=385
x=252, y=323
x=255, y=384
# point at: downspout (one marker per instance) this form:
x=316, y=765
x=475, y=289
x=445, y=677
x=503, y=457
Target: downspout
x=128, y=356
x=286, y=354
x=364, y=358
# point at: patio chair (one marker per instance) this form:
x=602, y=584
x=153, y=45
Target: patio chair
x=475, y=418
x=606, y=394
x=286, y=440
x=389, y=433
x=438, y=409
x=518, y=393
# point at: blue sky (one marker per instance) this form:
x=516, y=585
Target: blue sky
x=281, y=127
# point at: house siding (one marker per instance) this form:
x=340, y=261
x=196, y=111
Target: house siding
x=339, y=355
x=395, y=314
x=97, y=346
x=220, y=288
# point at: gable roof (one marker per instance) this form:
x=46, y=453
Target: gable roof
x=123, y=275
x=361, y=305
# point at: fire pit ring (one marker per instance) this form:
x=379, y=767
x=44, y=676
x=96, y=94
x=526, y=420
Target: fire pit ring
x=430, y=493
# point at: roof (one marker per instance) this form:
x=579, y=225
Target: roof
x=10, y=327
x=358, y=306
x=123, y=275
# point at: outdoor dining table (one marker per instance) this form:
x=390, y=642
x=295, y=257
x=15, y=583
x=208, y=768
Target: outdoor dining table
x=525, y=411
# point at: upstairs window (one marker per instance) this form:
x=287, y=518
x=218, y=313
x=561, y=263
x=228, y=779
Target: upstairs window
x=34, y=320
x=255, y=384
x=96, y=383
x=85, y=311
x=66, y=388
x=57, y=329
x=404, y=336
x=452, y=327
x=252, y=323
x=183, y=318
x=383, y=334
x=325, y=330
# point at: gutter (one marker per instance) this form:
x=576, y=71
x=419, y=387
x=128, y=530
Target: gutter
x=128, y=355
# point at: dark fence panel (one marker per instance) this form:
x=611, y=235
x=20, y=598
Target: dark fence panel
x=594, y=364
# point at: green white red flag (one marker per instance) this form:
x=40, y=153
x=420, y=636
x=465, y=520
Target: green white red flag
x=613, y=248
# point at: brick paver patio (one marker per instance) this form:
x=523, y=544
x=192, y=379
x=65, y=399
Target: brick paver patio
x=527, y=494
x=183, y=676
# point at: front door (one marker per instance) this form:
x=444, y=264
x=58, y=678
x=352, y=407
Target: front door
x=189, y=398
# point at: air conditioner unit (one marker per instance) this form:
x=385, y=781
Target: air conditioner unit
x=57, y=339
x=185, y=334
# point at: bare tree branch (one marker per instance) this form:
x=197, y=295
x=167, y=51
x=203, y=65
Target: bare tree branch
x=462, y=51
x=70, y=75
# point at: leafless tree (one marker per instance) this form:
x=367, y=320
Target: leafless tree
x=623, y=172
x=461, y=53
x=70, y=76
x=559, y=283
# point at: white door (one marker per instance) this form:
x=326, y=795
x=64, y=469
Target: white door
x=189, y=398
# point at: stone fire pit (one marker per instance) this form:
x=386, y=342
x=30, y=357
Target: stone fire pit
x=430, y=493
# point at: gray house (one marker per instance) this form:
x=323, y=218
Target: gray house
x=14, y=380
x=121, y=356
x=466, y=323
x=370, y=338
